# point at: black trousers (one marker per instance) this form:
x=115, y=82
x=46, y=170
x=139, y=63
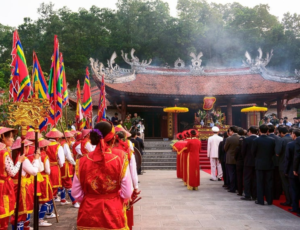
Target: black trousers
x=295, y=192
x=264, y=180
x=224, y=173
x=239, y=172
x=277, y=188
x=232, y=177
x=285, y=186
x=250, y=182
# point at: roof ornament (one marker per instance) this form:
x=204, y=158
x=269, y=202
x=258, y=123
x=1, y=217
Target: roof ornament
x=196, y=67
x=259, y=61
x=297, y=73
x=134, y=62
x=179, y=64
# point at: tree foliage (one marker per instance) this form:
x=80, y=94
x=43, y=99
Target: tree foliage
x=223, y=32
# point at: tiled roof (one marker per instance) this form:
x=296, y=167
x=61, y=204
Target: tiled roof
x=203, y=85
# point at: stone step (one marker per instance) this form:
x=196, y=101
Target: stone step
x=159, y=168
x=159, y=163
x=146, y=157
x=160, y=159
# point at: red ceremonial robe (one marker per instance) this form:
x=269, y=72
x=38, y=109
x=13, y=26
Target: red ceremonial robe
x=82, y=147
x=7, y=195
x=102, y=206
x=129, y=213
x=193, y=171
x=52, y=152
x=184, y=164
x=179, y=147
x=46, y=187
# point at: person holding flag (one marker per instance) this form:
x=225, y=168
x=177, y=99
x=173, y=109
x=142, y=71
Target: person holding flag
x=67, y=170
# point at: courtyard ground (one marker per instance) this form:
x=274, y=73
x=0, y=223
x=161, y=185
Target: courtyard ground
x=166, y=204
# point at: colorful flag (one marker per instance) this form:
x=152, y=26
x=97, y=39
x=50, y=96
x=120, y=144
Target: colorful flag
x=55, y=83
x=14, y=77
x=20, y=80
x=38, y=76
x=87, y=99
x=64, y=88
x=79, y=116
x=102, y=103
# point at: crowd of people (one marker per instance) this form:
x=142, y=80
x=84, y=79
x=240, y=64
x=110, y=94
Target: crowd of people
x=96, y=167
x=188, y=147
x=130, y=123
x=259, y=164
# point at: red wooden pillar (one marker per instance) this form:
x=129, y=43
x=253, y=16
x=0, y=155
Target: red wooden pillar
x=279, y=107
x=229, y=112
x=175, y=125
x=123, y=108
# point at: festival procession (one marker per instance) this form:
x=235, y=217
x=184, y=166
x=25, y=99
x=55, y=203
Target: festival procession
x=206, y=147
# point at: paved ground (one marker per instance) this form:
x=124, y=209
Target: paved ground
x=167, y=204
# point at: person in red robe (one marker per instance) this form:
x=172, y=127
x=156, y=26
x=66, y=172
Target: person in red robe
x=184, y=158
x=77, y=142
x=102, y=183
x=193, y=171
x=179, y=147
x=127, y=146
x=7, y=170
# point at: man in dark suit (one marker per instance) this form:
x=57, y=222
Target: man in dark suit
x=280, y=152
x=137, y=145
x=230, y=147
x=296, y=162
x=141, y=142
x=277, y=187
x=222, y=159
x=263, y=149
x=240, y=162
x=288, y=170
x=249, y=163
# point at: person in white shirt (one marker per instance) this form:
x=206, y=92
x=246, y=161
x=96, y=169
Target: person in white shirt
x=213, y=152
x=85, y=146
x=28, y=168
x=67, y=170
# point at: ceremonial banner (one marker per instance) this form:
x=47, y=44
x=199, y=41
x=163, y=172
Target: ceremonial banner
x=64, y=88
x=55, y=85
x=102, y=103
x=20, y=80
x=87, y=99
x=79, y=117
x=14, y=77
x=38, y=76
x=209, y=103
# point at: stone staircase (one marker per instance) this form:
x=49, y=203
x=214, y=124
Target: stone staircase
x=158, y=155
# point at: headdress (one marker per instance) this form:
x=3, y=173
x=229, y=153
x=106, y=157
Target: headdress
x=30, y=135
x=54, y=133
x=17, y=143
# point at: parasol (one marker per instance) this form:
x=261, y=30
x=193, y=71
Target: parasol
x=176, y=110
x=254, y=109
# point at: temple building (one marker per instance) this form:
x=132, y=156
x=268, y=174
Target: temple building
x=147, y=89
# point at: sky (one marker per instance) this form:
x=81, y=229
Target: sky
x=13, y=12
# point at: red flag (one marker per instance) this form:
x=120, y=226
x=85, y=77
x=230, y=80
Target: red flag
x=20, y=80
x=55, y=85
